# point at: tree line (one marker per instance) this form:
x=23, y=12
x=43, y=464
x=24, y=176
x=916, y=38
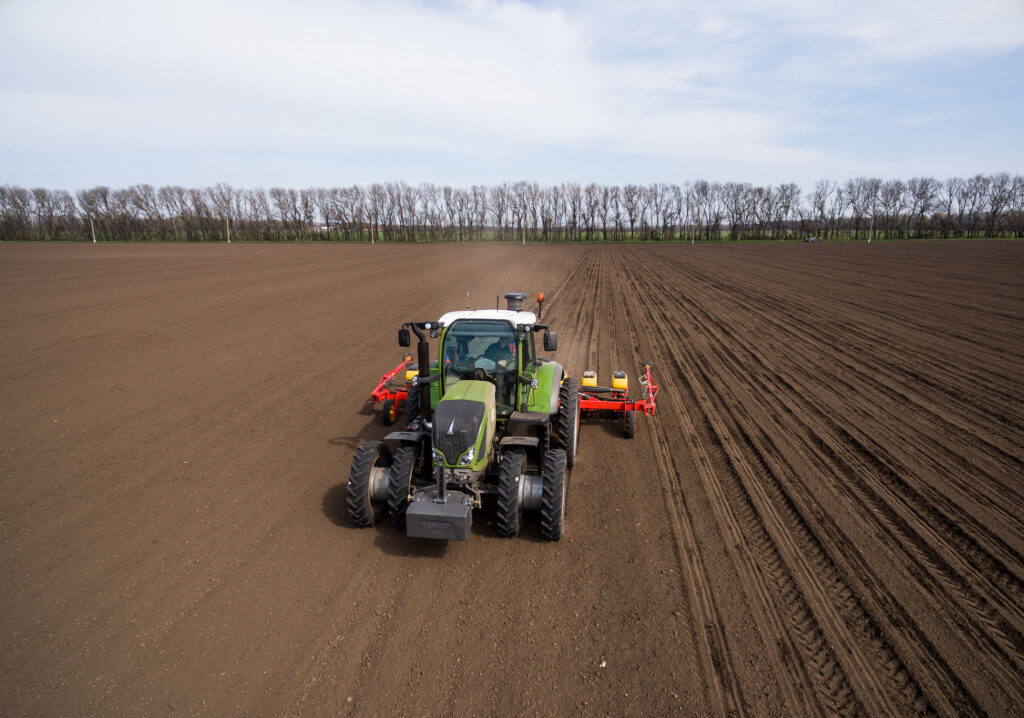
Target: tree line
x=861, y=208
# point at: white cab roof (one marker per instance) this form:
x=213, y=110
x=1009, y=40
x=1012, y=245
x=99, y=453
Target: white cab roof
x=516, y=318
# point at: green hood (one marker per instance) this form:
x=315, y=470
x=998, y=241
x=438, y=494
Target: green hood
x=463, y=421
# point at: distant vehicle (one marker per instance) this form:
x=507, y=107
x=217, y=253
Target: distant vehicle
x=812, y=239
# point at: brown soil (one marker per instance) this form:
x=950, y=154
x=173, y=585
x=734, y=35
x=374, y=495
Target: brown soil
x=826, y=515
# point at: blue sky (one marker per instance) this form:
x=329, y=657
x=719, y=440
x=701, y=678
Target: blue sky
x=325, y=93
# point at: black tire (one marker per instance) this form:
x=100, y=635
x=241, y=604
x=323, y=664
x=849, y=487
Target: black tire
x=569, y=419
x=552, y=502
x=362, y=508
x=399, y=483
x=510, y=508
x=412, y=405
x=629, y=424
x=389, y=412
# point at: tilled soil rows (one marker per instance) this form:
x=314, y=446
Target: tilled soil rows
x=825, y=516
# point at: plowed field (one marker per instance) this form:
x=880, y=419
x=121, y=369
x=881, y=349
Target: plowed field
x=825, y=516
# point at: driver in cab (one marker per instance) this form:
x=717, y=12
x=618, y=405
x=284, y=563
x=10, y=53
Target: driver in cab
x=502, y=352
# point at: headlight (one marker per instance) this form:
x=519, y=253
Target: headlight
x=438, y=458
x=467, y=458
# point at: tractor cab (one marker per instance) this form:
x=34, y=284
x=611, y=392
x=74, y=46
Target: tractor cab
x=482, y=349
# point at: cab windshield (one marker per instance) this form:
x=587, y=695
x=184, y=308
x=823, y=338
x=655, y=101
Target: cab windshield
x=482, y=350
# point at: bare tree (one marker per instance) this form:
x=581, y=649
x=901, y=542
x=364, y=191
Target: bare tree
x=787, y=200
x=735, y=201
x=949, y=201
x=999, y=194
x=376, y=200
x=631, y=204
x=982, y=205
x=498, y=202
x=893, y=198
x=659, y=207
x=1015, y=220
x=16, y=209
x=708, y=208
x=591, y=207
x=923, y=192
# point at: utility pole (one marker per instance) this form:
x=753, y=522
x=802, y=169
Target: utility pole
x=227, y=224
x=93, y=228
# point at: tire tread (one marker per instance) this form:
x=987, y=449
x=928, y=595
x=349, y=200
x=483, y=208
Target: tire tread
x=568, y=418
x=398, y=484
x=360, y=505
x=552, y=505
x=508, y=494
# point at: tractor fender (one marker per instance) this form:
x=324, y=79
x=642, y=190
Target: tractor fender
x=511, y=441
x=549, y=380
x=397, y=439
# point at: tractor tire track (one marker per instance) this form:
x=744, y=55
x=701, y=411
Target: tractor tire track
x=722, y=681
x=817, y=664
x=753, y=370
x=1005, y=588
x=994, y=545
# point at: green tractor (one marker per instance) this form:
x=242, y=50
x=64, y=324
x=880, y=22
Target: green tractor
x=488, y=417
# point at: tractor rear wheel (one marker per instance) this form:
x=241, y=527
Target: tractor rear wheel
x=389, y=412
x=552, y=502
x=412, y=405
x=510, y=505
x=366, y=484
x=399, y=482
x=630, y=423
x=569, y=419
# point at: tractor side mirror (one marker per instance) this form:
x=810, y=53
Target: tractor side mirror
x=403, y=337
x=550, y=341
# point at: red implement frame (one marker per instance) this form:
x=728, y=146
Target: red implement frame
x=618, y=401
x=384, y=389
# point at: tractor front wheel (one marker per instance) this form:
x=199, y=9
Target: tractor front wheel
x=569, y=419
x=399, y=482
x=552, y=502
x=367, y=484
x=510, y=505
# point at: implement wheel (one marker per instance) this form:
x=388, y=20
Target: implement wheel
x=552, y=502
x=510, y=505
x=630, y=423
x=367, y=484
x=389, y=412
x=398, y=484
x=569, y=419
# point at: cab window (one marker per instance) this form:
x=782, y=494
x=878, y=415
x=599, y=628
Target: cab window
x=482, y=350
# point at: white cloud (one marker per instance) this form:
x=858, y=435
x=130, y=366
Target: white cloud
x=384, y=72
x=731, y=80
x=888, y=30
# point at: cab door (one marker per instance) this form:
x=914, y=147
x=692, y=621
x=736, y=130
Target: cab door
x=527, y=364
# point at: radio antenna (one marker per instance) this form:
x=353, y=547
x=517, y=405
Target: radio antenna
x=467, y=295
